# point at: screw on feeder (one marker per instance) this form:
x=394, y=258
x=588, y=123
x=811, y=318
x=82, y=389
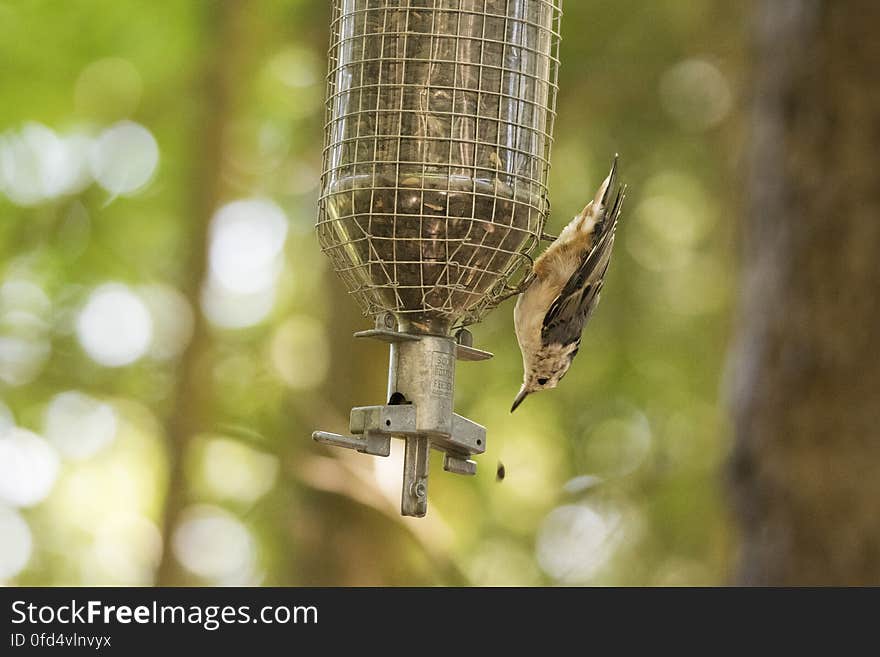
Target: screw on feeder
x=387, y=321
x=433, y=191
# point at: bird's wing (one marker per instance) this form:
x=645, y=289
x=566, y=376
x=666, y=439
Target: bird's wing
x=569, y=312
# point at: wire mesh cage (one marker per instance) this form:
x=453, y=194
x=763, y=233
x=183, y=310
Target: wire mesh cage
x=437, y=138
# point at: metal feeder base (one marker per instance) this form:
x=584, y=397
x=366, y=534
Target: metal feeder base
x=421, y=381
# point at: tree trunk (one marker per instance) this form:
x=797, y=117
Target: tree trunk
x=805, y=392
x=192, y=389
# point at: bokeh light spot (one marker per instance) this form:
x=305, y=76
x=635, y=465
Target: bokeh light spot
x=296, y=67
x=695, y=94
x=24, y=331
x=173, y=320
x=288, y=80
x=503, y=563
x=233, y=470
x=37, y=165
x=28, y=467
x=247, y=242
x=300, y=353
x=22, y=359
x=7, y=421
x=229, y=310
x=78, y=425
x=126, y=550
x=576, y=541
x=24, y=295
x=124, y=158
x=703, y=287
x=581, y=484
x=114, y=327
x=16, y=544
x=214, y=544
x=108, y=89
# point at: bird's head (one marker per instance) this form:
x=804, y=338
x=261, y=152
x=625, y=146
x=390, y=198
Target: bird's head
x=546, y=376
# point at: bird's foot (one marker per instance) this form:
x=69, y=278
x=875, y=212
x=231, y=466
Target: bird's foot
x=547, y=237
x=519, y=289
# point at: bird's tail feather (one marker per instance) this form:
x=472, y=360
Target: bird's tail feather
x=607, y=185
x=598, y=210
x=609, y=213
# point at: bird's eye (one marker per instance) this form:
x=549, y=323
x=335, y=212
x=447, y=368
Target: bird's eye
x=542, y=381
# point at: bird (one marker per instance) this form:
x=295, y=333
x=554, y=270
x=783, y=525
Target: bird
x=562, y=290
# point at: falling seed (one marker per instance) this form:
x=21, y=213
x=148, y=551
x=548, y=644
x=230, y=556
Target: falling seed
x=500, y=473
x=409, y=181
x=495, y=159
x=434, y=206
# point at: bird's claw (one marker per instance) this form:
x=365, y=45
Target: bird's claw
x=519, y=289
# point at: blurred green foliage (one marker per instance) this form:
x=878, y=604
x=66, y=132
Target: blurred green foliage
x=197, y=446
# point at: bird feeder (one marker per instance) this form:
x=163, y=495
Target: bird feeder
x=433, y=192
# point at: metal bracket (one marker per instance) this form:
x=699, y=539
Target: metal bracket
x=387, y=335
x=464, y=349
x=421, y=377
x=376, y=445
x=374, y=426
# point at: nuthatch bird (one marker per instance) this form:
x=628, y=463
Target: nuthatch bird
x=563, y=289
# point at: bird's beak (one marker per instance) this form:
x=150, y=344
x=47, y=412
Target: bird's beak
x=522, y=394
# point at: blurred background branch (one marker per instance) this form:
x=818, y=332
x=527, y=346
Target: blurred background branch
x=215, y=85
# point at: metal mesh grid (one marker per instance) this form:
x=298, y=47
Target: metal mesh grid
x=437, y=139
